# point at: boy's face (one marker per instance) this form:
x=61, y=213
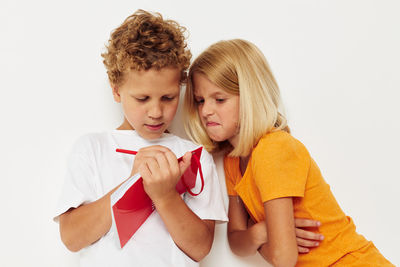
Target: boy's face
x=149, y=100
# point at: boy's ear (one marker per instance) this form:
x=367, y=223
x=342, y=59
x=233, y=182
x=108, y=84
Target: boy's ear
x=115, y=91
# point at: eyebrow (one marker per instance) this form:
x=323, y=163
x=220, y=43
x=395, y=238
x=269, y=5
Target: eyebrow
x=213, y=94
x=144, y=94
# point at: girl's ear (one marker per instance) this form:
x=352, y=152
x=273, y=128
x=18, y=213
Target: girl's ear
x=115, y=91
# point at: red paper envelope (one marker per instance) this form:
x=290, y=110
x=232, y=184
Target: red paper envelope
x=135, y=206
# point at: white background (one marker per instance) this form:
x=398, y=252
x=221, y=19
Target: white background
x=337, y=63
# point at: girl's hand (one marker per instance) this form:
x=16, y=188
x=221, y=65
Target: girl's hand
x=161, y=171
x=259, y=231
x=307, y=239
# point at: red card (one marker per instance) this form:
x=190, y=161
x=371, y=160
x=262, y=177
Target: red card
x=135, y=206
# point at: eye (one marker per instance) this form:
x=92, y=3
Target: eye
x=199, y=101
x=220, y=100
x=142, y=99
x=168, y=98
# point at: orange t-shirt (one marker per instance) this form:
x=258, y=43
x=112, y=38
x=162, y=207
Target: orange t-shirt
x=280, y=166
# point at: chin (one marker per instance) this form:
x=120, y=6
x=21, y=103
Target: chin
x=217, y=138
x=150, y=136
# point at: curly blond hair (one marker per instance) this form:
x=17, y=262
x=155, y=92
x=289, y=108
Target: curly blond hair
x=144, y=41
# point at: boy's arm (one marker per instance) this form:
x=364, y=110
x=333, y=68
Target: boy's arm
x=82, y=226
x=161, y=171
x=191, y=234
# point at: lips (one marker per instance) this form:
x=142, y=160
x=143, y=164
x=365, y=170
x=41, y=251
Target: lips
x=211, y=123
x=154, y=127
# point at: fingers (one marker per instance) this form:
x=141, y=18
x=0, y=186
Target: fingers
x=151, y=166
x=144, y=170
x=185, y=163
x=300, y=233
x=306, y=243
x=163, y=166
x=144, y=153
x=299, y=222
x=307, y=239
x=302, y=249
x=162, y=162
x=154, y=148
x=168, y=164
x=172, y=163
x=160, y=172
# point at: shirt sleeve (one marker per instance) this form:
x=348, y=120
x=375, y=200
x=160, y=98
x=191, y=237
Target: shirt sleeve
x=209, y=204
x=280, y=165
x=79, y=179
x=229, y=177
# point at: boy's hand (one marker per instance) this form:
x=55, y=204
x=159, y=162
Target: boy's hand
x=144, y=153
x=307, y=239
x=160, y=172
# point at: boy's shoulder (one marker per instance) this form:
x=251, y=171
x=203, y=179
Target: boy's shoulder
x=91, y=138
x=89, y=142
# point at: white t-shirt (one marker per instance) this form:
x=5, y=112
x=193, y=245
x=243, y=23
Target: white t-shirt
x=94, y=168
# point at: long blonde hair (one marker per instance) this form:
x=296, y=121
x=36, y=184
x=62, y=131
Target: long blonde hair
x=238, y=67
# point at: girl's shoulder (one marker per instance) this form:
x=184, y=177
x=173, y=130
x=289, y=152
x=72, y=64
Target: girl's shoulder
x=276, y=137
x=279, y=143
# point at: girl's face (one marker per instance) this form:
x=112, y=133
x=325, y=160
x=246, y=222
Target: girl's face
x=149, y=100
x=218, y=109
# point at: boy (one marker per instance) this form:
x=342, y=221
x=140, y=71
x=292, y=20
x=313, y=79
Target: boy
x=146, y=62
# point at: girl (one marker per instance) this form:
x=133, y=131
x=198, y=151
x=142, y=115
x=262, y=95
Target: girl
x=233, y=102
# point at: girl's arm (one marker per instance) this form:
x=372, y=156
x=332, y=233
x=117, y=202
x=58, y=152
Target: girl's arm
x=280, y=248
x=246, y=237
x=243, y=241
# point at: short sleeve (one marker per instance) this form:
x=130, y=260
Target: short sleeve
x=79, y=179
x=209, y=204
x=280, y=167
x=230, y=178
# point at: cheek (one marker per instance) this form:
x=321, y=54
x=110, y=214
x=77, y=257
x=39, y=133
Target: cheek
x=232, y=115
x=170, y=110
x=134, y=112
x=135, y=117
x=198, y=108
x=234, y=111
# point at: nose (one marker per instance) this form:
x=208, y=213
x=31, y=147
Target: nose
x=155, y=111
x=207, y=109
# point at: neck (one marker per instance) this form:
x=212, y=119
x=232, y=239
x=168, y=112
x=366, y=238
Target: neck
x=243, y=164
x=234, y=140
x=125, y=126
